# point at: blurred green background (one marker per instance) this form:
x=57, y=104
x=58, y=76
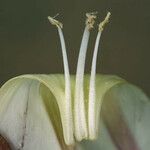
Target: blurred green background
x=29, y=44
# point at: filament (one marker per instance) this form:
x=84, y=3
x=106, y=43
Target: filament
x=85, y=122
x=69, y=139
x=92, y=90
x=79, y=102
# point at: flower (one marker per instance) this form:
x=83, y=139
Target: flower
x=66, y=112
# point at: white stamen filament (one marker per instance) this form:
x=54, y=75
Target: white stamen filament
x=85, y=122
x=69, y=139
x=80, y=121
x=92, y=90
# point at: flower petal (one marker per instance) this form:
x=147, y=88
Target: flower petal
x=124, y=122
x=27, y=118
x=32, y=113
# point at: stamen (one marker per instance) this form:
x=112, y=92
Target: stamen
x=68, y=130
x=103, y=23
x=55, y=22
x=92, y=90
x=90, y=20
x=80, y=122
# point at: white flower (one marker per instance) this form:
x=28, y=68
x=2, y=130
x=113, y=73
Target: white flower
x=66, y=112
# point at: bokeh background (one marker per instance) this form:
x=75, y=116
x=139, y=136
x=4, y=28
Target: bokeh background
x=29, y=44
